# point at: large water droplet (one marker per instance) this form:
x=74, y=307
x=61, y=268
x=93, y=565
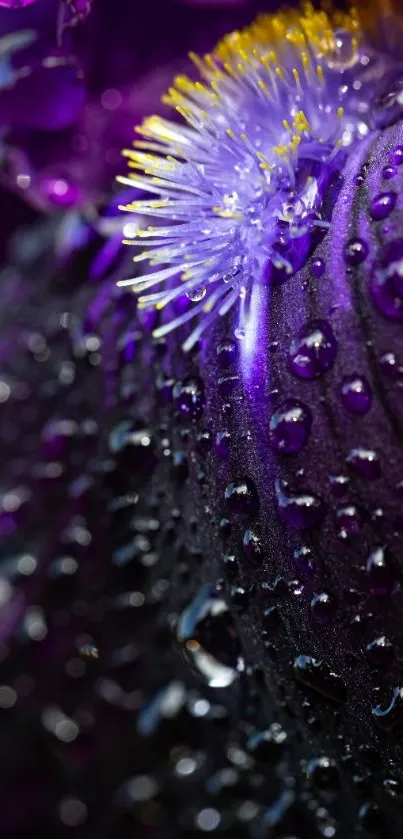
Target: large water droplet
x=209, y=640
x=301, y=510
x=314, y=350
x=290, y=426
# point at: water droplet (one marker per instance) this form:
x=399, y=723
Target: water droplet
x=290, y=426
x=392, y=716
x=204, y=441
x=227, y=353
x=209, y=640
x=304, y=560
x=227, y=385
x=371, y=819
x=271, y=619
x=189, y=396
x=389, y=172
x=267, y=746
x=323, y=774
x=339, y=484
x=356, y=394
x=225, y=527
x=318, y=268
x=239, y=597
x=222, y=444
x=382, y=205
x=365, y=463
x=348, y=520
x=242, y=497
x=321, y=678
x=301, y=510
x=380, y=651
x=132, y=444
x=390, y=366
x=396, y=156
x=196, y=294
x=180, y=467
x=393, y=786
x=230, y=566
x=314, y=350
x=386, y=285
x=323, y=607
x=356, y=251
x=252, y=545
x=380, y=577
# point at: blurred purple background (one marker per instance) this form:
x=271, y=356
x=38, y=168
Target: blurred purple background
x=76, y=76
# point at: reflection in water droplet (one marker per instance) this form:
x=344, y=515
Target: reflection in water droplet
x=209, y=640
x=196, y=294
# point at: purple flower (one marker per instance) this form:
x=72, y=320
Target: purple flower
x=200, y=587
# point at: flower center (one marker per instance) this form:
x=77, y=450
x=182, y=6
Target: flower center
x=243, y=182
